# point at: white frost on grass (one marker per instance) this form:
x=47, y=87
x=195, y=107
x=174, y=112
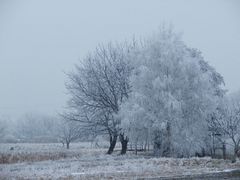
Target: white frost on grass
x=95, y=164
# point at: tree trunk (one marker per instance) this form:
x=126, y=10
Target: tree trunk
x=157, y=143
x=113, y=141
x=167, y=149
x=213, y=146
x=124, y=142
x=145, y=145
x=224, y=151
x=68, y=145
x=235, y=154
x=136, y=148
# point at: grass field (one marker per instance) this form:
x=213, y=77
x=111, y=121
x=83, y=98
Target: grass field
x=81, y=161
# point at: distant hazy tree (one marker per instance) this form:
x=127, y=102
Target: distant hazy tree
x=34, y=125
x=68, y=131
x=2, y=129
x=98, y=87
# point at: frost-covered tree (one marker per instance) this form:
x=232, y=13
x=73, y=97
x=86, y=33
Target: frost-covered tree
x=172, y=91
x=68, y=131
x=225, y=121
x=98, y=87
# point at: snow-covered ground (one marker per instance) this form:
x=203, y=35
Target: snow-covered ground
x=90, y=163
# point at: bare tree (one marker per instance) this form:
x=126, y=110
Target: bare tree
x=98, y=86
x=225, y=122
x=68, y=131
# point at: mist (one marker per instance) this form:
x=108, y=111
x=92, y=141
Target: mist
x=40, y=40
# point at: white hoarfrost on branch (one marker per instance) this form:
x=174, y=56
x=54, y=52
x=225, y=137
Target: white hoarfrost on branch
x=225, y=123
x=155, y=91
x=98, y=87
x=172, y=91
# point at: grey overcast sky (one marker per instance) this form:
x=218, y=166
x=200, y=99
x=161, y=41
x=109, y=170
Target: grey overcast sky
x=41, y=39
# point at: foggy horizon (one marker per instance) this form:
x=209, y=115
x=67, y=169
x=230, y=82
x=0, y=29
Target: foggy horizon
x=40, y=40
